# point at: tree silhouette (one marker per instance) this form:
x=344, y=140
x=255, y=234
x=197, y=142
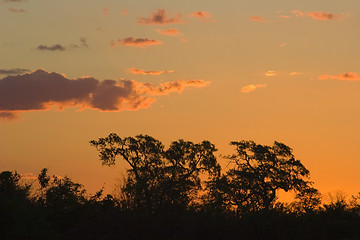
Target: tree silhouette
x=259, y=172
x=158, y=178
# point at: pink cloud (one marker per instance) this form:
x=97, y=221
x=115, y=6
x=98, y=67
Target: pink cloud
x=160, y=18
x=136, y=42
x=349, y=76
x=137, y=71
x=106, y=11
x=168, y=32
x=252, y=87
x=203, y=15
x=41, y=90
x=258, y=19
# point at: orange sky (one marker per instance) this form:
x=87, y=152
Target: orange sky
x=282, y=70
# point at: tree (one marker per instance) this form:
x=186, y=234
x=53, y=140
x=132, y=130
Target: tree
x=157, y=178
x=259, y=172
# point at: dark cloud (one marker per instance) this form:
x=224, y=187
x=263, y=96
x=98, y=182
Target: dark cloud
x=40, y=90
x=160, y=18
x=13, y=71
x=8, y=116
x=136, y=42
x=56, y=47
x=59, y=47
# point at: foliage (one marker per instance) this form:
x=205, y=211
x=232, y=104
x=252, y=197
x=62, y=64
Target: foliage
x=160, y=179
x=259, y=172
x=180, y=193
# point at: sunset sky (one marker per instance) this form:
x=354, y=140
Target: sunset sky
x=74, y=71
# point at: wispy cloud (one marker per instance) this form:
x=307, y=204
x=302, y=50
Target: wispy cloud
x=258, y=19
x=106, y=11
x=8, y=116
x=13, y=10
x=13, y=71
x=168, y=32
x=60, y=47
x=295, y=73
x=160, y=17
x=56, y=47
x=137, y=71
x=124, y=12
x=349, y=76
x=325, y=16
x=136, y=42
x=41, y=90
x=252, y=87
x=319, y=15
x=298, y=13
x=203, y=15
x=270, y=74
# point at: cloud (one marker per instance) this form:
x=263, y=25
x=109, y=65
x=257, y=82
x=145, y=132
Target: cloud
x=349, y=76
x=295, y=73
x=258, y=19
x=319, y=15
x=15, y=0
x=144, y=72
x=8, y=116
x=136, y=42
x=106, y=11
x=56, y=47
x=325, y=16
x=298, y=13
x=270, y=74
x=41, y=90
x=124, y=12
x=160, y=18
x=13, y=71
x=13, y=10
x=60, y=47
x=203, y=15
x=252, y=87
x=168, y=32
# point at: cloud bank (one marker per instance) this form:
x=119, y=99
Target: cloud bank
x=160, y=18
x=349, y=76
x=41, y=90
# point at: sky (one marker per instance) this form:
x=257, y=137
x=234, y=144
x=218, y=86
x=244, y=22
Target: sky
x=284, y=70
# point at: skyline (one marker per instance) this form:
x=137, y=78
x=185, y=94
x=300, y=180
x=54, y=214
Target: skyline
x=230, y=71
